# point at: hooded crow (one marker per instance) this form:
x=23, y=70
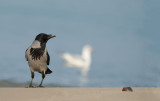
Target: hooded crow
x=38, y=57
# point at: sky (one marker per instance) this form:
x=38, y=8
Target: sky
x=124, y=34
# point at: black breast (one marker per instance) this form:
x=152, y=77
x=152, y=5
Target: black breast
x=36, y=53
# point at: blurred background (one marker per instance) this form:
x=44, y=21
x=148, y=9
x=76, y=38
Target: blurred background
x=124, y=34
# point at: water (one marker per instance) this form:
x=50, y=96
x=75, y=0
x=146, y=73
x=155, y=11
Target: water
x=124, y=38
x=107, y=69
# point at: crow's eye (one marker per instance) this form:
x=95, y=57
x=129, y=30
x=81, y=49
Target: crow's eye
x=45, y=37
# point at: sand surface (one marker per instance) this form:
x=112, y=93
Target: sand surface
x=78, y=94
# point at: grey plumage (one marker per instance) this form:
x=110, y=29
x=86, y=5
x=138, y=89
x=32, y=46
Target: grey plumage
x=38, y=57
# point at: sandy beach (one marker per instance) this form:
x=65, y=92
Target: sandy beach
x=78, y=94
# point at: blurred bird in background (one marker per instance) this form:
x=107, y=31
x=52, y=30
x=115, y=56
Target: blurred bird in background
x=82, y=61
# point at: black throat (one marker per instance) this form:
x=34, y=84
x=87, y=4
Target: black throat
x=37, y=53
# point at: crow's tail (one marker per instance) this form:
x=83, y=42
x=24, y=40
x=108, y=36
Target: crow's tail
x=48, y=71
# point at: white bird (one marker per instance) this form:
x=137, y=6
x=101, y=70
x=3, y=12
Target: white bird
x=82, y=61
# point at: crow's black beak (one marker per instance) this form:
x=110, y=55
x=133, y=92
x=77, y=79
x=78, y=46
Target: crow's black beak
x=51, y=36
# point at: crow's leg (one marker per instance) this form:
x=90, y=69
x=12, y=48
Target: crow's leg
x=32, y=76
x=43, y=76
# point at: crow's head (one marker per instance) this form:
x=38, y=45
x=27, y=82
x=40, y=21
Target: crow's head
x=43, y=38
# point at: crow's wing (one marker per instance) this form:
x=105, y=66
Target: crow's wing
x=48, y=59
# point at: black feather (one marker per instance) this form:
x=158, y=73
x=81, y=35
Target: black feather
x=36, y=53
x=48, y=71
x=48, y=59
